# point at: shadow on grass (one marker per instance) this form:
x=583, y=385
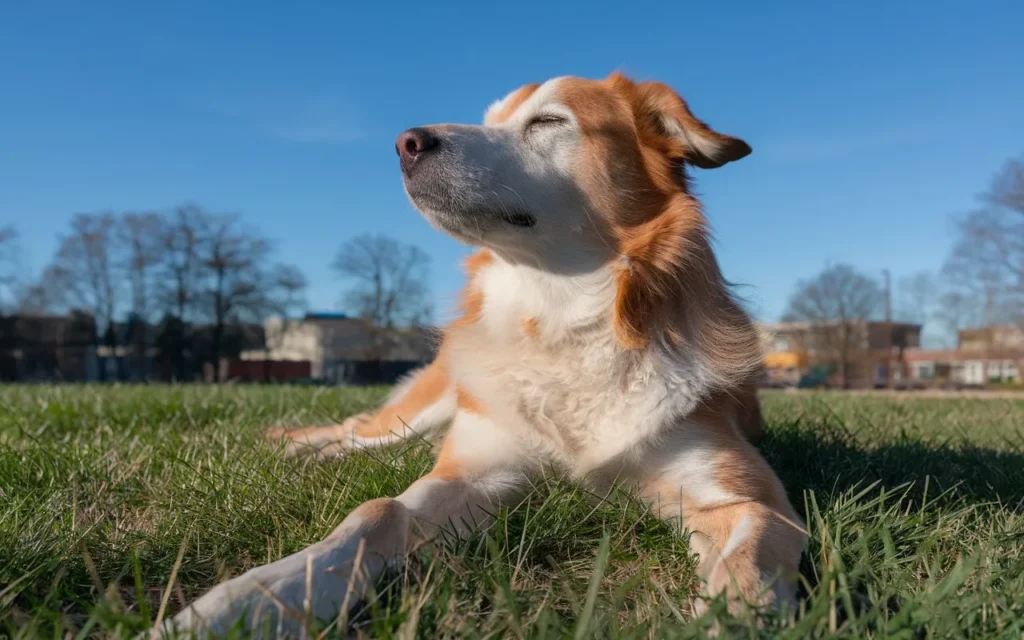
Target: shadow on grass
x=830, y=463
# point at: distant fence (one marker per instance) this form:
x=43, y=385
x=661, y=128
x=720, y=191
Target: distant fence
x=377, y=372
x=269, y=370
x=346, y=372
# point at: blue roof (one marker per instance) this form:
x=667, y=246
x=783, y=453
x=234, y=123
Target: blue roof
x=326, y=315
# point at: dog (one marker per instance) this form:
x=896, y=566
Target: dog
x=596, y=335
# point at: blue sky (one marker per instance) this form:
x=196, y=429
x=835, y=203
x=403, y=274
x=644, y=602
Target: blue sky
x=870, y=125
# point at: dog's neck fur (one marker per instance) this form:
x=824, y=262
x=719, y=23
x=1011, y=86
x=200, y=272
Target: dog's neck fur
x=551, y=307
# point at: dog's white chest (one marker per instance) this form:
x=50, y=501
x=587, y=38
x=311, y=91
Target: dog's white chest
x=580, y=396
x=588, y=404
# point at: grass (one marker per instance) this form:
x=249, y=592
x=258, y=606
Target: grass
x=914, y=509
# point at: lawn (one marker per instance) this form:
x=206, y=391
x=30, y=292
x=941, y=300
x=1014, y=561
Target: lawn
x=915, y=510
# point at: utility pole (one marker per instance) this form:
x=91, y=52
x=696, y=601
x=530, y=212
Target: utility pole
x=888, y=326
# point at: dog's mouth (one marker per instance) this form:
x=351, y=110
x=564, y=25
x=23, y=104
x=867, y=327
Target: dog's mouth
x=519, y=219
x=459, y=208
x=441, y=207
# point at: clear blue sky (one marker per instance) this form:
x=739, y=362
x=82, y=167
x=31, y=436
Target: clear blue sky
x=870, y=126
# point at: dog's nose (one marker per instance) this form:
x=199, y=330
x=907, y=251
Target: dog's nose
x=413, y=143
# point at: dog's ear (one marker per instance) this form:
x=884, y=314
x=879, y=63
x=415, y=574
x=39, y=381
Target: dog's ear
x=663, y=110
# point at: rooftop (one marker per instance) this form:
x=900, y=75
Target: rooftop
x=326, y=315
x=961, y=355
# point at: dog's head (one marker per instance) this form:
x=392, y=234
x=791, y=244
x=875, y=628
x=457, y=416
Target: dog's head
x=574, y=175
x=561, y=174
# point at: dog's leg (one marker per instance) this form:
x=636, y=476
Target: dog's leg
x=743, y=528
x=419, y=405
x=478, y=466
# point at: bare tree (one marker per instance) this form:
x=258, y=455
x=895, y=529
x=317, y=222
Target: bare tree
x=236, y=286
x=836, y=303
x=8, y=265
x=290, y=285
x=45, y=295
x=178, y=244
x=958, y=310
x=86, y=270
x=987, y=261
x=140, y=235
x=387, y=281
x=177, y=284
x=918, y=295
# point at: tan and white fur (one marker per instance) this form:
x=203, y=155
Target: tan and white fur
x=596, y=336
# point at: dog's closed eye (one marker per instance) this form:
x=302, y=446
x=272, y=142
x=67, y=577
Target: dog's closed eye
x=546, y=120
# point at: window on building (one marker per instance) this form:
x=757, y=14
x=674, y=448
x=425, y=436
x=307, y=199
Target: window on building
x=1009, y=371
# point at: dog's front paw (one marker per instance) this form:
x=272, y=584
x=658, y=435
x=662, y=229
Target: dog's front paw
x=353, y=422
x=290, y=596
x=322, y=442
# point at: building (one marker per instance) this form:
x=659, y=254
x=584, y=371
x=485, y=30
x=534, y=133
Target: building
x=984, y=355
x=965, y=367
x=785, y=356
x=340, y=348
x=173, y=350
x=875, y=349
x=48, y=347
x=1003, y=336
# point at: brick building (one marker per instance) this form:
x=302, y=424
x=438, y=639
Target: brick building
x=875, y=349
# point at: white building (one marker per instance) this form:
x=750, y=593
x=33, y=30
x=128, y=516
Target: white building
x=333, y=342
x=969, y=367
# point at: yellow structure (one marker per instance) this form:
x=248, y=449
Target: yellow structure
x=784, y=360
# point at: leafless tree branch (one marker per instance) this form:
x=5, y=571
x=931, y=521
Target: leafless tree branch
x=387, y=280
x=835, y=303
x=987, y=261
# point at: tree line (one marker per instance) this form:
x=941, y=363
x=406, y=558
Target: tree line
x=188, y=282
x=176, y=272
